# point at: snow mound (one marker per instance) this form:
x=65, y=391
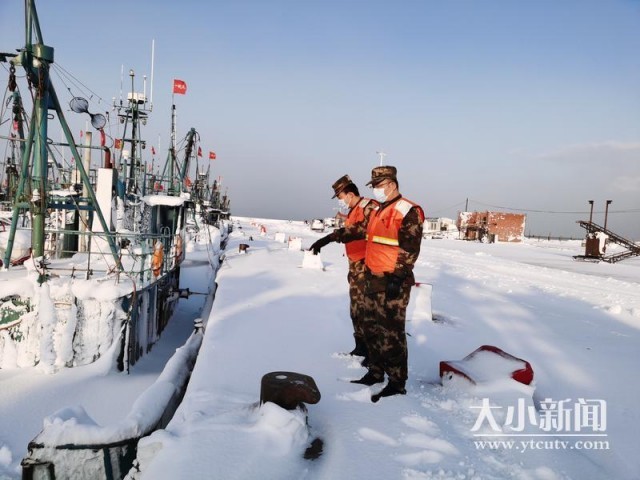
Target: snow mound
x=312, y=261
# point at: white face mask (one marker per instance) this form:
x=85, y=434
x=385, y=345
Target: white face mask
x=342, y=204
x=379, y=195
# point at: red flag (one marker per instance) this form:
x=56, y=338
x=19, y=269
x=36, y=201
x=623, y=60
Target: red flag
x=103, y=138
x=179, y=87
x=212, y=155
x=153, y=150
x=118, y=143
x=81, y=133
x=15, y=125
x=199, y=151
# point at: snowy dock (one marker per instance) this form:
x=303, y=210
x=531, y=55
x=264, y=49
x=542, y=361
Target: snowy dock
x=578, y=325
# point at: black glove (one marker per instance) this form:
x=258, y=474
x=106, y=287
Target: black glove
x=394, y=284
x=318, y=244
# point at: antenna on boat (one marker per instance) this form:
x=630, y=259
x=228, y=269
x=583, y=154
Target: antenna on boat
x=121, y=81
x=381, y=154
x=153, y=50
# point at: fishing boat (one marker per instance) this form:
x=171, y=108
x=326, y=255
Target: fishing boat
x=91, y=256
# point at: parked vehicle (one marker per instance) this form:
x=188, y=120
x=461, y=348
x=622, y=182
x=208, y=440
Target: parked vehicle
x=330, y=222
x=317, y=225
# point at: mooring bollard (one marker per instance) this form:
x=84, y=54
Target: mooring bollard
x=288, y=390
x=291, y=390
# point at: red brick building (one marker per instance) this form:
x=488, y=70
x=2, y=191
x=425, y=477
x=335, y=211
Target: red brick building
x=492, y=226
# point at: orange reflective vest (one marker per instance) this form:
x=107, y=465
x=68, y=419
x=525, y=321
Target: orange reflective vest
x=356, y=249
x=382, y=235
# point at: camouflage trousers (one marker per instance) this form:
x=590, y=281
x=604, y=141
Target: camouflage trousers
x=356, y=278
x=385, y=334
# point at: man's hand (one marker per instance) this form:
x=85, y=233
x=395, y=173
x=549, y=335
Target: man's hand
x=318, y=244
x=394, y=283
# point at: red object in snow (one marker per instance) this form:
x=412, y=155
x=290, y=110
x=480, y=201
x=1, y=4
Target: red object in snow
x=21, y=260
x=488, y=363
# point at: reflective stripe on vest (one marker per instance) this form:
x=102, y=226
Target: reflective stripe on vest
x=382, y=236
x=385, y=240
x=356, y=249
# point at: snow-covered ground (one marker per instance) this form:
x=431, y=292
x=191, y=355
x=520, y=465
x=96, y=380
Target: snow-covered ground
x=578, y=324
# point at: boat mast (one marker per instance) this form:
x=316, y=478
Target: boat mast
x=36, y=58
x=172, y=149
x=191, y=138
x=17, y=144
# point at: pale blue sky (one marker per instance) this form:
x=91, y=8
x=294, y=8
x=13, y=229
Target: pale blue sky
x=522, y=104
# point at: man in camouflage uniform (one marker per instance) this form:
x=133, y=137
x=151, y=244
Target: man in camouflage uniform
x=359, y=211
x=393, y=234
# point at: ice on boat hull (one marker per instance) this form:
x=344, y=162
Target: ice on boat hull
x=68, y=324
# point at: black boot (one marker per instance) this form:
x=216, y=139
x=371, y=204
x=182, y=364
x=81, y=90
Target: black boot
x=369, y=379
x=389, y=390
x=360, y=349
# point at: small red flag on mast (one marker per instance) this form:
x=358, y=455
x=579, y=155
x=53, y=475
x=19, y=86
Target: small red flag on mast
x=212, y=155
x=179, y=87
x=199, y=151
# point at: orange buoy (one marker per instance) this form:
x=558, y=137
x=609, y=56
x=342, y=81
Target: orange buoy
x=178, y=256
x=157, y=259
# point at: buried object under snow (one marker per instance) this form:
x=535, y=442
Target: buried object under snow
x=291, y=391
x=485, y=364
x=312, y=261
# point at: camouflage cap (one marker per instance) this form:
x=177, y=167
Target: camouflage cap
x=340, y=184
x=379, y=174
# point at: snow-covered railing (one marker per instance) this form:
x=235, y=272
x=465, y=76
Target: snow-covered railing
x=73, y=445
x=136, y=253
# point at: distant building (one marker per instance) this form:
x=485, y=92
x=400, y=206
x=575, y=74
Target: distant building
x=438, y=226
x=492, y=226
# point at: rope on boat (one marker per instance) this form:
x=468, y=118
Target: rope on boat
x=10, y=324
